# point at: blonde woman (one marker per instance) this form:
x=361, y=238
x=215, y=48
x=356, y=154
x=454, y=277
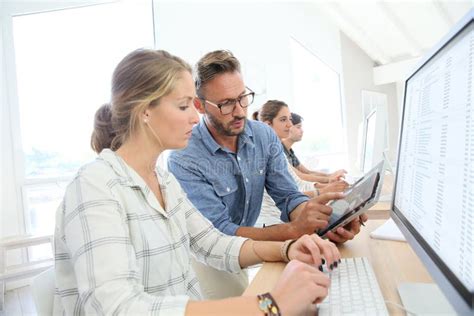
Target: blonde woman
x=125, y=231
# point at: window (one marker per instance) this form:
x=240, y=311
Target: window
x=317, y=98
x=64, y=61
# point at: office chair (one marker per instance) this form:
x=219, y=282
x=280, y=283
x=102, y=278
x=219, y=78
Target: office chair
x=42, y=287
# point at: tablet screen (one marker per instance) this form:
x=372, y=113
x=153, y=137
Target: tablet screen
x=356, y=198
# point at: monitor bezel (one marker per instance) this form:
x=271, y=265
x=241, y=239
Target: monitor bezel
x=372, y=114
x=459, y=295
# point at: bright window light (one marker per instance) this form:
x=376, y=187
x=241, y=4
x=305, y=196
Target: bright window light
x=317, y=98
x=64, y=64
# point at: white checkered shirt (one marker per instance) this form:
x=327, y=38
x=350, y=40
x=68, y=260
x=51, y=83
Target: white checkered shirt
x=118, y=252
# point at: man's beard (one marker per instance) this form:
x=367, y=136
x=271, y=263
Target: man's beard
x=221, y=129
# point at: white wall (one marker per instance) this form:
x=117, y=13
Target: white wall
x=358, y=76
x=2, y=145
x=258, y=34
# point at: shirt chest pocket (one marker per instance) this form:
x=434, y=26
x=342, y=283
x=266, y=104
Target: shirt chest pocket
x=228, y=192
x=225, y=188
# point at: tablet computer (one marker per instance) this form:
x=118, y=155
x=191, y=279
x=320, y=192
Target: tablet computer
x=380, y=168
x=353, y=181
x=358, y=199
x=356, y=182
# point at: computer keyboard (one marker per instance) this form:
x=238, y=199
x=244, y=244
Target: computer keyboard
x=354, y=290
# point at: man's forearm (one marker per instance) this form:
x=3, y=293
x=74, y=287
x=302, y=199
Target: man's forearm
x=296, y=211
x=279, y=232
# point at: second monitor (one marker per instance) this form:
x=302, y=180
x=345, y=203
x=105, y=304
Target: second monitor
x=374, y=137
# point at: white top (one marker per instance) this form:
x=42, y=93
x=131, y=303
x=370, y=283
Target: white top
x=270, y=213
x=117, y=251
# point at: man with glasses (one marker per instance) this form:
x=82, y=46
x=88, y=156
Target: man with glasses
x=227, y=164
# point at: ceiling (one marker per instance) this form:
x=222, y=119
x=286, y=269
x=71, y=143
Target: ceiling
x=395, y=31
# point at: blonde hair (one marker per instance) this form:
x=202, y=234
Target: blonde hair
x=139, y=81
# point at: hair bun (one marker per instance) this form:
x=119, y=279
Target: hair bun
x=103, y=133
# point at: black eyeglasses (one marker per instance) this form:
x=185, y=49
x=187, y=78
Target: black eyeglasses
x=228, y=106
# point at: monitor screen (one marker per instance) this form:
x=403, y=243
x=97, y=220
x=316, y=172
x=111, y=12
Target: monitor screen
x=434, y=190
x=369, y=142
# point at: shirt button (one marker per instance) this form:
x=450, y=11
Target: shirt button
x=261, y=171
x=246, y=179
x=228, y=189
x=238, y=158
x=247, y=202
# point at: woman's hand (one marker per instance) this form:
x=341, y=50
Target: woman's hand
x=338, y=186
x=299, y=286
x=337, y=175
x=312, y=248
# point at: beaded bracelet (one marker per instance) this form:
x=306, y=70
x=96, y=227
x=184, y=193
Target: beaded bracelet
x=285, y=247
x=268, y=305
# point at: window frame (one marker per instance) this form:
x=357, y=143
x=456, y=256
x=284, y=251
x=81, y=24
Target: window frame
x=13, y=204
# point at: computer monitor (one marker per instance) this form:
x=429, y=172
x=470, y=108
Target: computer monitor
x=368, y=152
x=374, y=138
x=433, y=201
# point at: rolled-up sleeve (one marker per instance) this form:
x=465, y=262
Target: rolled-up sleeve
x=210, y=246
x=279, y=183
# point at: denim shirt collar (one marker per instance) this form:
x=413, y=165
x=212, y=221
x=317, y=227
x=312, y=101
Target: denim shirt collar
x=245, y=138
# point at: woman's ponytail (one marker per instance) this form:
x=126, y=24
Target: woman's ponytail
x=103, y=134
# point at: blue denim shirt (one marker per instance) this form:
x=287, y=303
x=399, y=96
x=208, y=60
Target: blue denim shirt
x=228, y=187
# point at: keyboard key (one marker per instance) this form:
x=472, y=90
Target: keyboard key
x=353, y=291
